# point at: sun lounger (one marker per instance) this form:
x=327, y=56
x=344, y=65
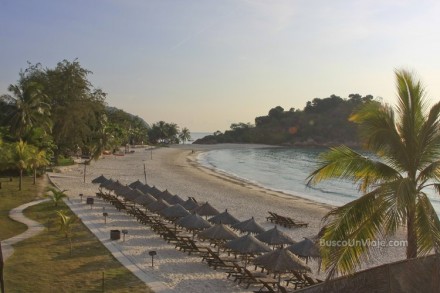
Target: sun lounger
x=266, y=288
x=311, y=281
x=214, y=260
x=251, y=278
x=285, y=221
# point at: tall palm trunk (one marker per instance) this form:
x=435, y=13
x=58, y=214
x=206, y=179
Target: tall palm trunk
x=21, y=178
x=411, y=249
x=35, y=175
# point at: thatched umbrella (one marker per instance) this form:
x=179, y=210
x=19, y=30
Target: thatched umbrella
x=249, y=226
x=144, y=199
x=114, y=185
x=176, y=199
x=136, y=184
x=281, y=261
x=132, y=195
x=99, y=180
x=193, y=222
x=174, y=212
x=106, y=183
x=190, y=204
x=247, y=244
x=275, y=237
x=166, y=195
x=305, y=248
x=144, y=188
x=122, y=190
x=206, y=210
x=155, y=192
x=157, y=206
x=224, y=218
x=218, y=232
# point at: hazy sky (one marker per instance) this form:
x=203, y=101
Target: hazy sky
x=206, y=64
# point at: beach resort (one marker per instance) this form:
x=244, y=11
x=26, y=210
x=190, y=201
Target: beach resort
x=177, y=171
x=219, y=146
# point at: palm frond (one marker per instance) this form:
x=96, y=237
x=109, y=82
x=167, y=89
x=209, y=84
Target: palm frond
x=437, y=187
x=411, y=108
x=379, y=133
x=429, y=137
x=432, y=171
x=397, y=196
x=358, y=221
x=427, y=225
x=344, y=163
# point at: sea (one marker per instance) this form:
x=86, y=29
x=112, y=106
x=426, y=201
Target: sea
x=285, y=170
x=196, y=135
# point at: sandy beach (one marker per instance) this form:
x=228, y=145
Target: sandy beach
x=176, y=169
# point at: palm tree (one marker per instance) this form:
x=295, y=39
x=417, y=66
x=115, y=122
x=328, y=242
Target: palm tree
x=66, y=223
x=184, y=135
x=56, y=196
x=20, y=158
x=37, y=160
x=406, y=143
x=28, y=108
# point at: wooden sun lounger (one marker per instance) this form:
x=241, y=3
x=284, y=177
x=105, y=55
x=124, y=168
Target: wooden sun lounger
x=297, y=280
x=215, y=261
x=266, y=288
x=311, y=281
x=251, y=279
x=186, y=244
x=285, y=221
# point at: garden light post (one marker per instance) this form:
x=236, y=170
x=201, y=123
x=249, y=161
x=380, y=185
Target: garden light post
x=152, y=254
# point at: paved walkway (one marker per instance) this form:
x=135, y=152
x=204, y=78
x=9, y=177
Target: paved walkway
x=33, y=228
x=103, y=236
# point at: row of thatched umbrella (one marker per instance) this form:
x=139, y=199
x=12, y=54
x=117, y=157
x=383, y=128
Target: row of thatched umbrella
x=174, y=208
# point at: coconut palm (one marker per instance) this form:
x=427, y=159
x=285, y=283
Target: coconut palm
x=28, y=108
x=37, y=160
x=66, y=223
x=21, y=155
x=56, y=196
x=184, y=135
x=406, y=144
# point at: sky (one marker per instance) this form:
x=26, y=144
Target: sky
x=206, y=64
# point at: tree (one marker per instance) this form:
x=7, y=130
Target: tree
x=276, y=112
x=28, y=108
x=406, y=142
x=56, y=196
x=37, y=160
x=66, y=223
x=21, y=155
x=184, y=135
x=76, y=107
x=5, y=155
x=164, y=132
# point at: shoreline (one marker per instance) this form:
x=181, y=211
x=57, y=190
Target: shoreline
x=193, y=161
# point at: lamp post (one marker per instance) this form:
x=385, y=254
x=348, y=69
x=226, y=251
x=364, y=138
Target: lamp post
x=105, y=217
x=124, y=232
x=152, y=254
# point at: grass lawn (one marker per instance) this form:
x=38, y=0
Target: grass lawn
x=10, y=198
x=43, y=263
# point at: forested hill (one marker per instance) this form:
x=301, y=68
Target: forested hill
x=321, y=122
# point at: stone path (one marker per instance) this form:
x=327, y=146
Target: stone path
x=33, y=227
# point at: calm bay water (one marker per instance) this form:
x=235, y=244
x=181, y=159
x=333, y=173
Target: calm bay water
x=286, y=170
